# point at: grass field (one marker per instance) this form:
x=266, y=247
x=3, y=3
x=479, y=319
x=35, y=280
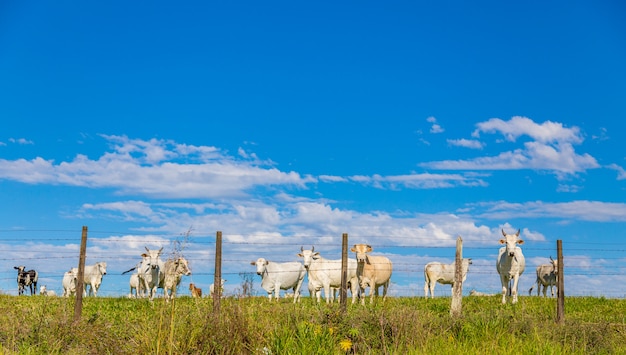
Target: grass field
x=44, y=325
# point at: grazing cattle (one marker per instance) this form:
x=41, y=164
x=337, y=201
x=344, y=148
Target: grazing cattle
x=173, y=272
x=280, y=276
x=93, y=277
x=195, y=291
x=443, y=273
x=325, y=273
x=212, y=288
x=26, y=279
x=372, y=271
x=546, y=277
x=43, y=290
x=69, y=282
x=510, y=264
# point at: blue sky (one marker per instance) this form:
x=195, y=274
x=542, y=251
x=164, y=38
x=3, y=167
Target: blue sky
x=285, y=124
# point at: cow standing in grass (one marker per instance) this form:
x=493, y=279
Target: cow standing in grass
x=443, y=273
x=280, y=276
x=372, y=271
x=546, y=277
x=26, y=279
x=171, y=276
x=326, y=274
x=510, y=264
x=69, y=282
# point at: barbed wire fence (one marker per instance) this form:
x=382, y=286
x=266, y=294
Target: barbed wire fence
x=54, y=251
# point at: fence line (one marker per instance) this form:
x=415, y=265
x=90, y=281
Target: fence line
x=407, y=269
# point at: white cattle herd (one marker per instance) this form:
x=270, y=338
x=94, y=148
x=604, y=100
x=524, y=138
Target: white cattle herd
x=363, y=271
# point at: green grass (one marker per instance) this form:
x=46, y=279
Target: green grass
x=44, y=325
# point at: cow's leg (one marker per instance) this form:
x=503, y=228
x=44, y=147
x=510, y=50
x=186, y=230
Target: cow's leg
x=385, y=288
x=514, y=288
x=327, y=293
x=505, y=287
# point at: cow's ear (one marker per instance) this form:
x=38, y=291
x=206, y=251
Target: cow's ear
x=300, y=255
x=369, y=248
x=353, y=249
x=502, y=241
x=520, y=241
x=253, y=263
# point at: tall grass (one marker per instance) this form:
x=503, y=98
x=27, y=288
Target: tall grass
x=44, y=325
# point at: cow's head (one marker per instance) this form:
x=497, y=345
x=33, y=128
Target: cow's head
x=152, y=257
x=308, y=256
x=260, y=265
x=361, y=251
x=72, y=275
x=511, y=241
x=102, y=266
x=20, y=269
x=555, y=265
x=182, y=267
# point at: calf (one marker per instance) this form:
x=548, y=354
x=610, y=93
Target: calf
x=212, y=288
x=546, y=277
x=444, y=274
x=195, y=291
x=69, y=282
x=45, y=292
x=26, y=279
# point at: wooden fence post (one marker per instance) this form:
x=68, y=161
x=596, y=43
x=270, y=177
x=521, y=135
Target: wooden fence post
x=80, y=285
x=457, y=288
x=560, y=282
x=217, y=279
x=343, y=293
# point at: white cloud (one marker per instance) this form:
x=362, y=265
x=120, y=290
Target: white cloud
x=467, y=143
x=420, y=181
x=582, y=210
x=22, y=141
x=155, y=168
x=547, y=132
x=551, y=150
x=435, y=127
x=621, y=173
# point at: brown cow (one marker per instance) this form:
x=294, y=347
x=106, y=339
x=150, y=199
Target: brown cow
x=372, y=271
x=195, y=292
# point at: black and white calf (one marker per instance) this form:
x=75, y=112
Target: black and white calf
x=26, y=279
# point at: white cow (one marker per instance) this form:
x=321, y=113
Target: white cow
x=443, y=273
x=69, y=282
x=43, y=290
x=510, y=264
x=135, y=286
x=546, y=277
x=174, y=270
x=372, y=271
x=150, y=271
x=212, y=288
x=280, y=276
x=93, y=277
x=325, y=273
